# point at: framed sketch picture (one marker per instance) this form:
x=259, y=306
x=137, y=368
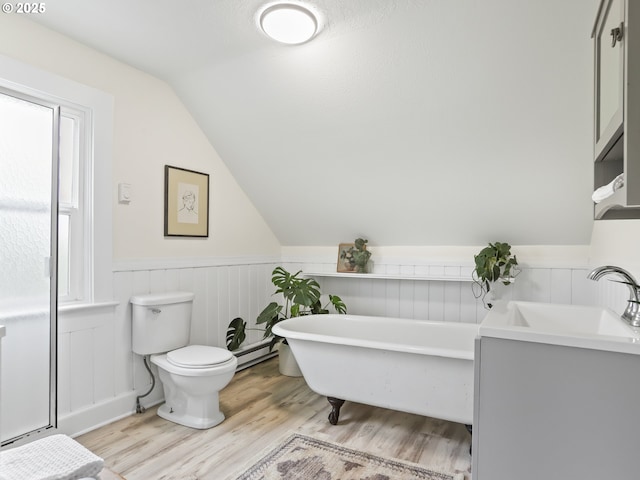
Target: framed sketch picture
x=186, y=203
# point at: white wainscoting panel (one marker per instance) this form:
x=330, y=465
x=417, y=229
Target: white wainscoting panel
x=222, y=293
x=99, y=376
x=448, y=301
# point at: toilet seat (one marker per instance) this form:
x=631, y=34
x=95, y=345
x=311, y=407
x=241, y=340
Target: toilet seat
x=198, y=356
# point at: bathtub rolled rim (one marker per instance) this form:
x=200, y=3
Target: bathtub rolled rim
x=281, y=330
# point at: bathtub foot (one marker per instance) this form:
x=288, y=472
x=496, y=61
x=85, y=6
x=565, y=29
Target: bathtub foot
x=336, y=403
x=470, y=430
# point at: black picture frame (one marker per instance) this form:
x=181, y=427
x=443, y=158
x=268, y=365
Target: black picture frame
x=186, y=202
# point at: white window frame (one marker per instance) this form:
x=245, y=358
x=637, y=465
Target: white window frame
x=80, y=219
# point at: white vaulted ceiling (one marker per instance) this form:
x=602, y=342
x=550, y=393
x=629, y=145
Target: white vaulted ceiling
x=409, y=122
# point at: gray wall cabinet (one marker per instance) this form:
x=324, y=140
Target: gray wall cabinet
x=617, y=106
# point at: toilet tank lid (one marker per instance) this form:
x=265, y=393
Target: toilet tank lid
x=164, y=298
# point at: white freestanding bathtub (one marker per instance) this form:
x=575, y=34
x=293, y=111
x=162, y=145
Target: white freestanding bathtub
x=414, y=366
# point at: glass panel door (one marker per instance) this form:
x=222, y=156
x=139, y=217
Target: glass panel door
x=609, y=66
x=28, y=245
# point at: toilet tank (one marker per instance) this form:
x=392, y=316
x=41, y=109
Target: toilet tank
x=160, y=321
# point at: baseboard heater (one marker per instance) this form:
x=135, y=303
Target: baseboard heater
x=253, y=354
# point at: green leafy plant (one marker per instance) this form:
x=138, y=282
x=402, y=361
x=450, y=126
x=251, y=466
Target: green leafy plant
x=236, y=333
x=302, y=296
x=492, y=264
x=358, y=255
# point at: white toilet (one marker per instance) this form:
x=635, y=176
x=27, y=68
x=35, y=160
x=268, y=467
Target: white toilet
x=191, y=375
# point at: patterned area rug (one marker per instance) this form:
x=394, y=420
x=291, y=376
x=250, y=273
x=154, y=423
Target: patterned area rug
x=301, y=457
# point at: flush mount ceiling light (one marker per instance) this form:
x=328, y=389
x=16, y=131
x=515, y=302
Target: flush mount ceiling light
x=288, y=23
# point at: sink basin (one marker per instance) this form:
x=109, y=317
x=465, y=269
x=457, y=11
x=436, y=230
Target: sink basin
x=572, y=325
x=568, y=318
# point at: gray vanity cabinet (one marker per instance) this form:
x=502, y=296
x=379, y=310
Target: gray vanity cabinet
x=554, y=412
x=616, y=45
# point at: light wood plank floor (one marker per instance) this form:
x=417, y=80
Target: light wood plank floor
x=263, y=407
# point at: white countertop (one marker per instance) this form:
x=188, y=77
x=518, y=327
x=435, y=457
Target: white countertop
x=579, y=326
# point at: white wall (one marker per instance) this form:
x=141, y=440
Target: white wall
x=615, y=242
x=430, y=123
x=548, y=274
x=556, y=274
x=152, y=128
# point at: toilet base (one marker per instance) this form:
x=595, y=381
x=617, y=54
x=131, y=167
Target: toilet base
x=190, y=421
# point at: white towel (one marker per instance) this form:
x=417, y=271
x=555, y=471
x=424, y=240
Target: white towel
x=609, y=189
x=57, y=457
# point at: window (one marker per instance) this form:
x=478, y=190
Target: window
x=74, y=190
x=85, y=210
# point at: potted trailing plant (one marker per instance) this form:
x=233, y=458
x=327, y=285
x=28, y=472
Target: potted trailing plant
x=302, y=296
x=494, y=263
x=357, y=256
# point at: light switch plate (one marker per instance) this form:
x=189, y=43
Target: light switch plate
x=124, y=193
